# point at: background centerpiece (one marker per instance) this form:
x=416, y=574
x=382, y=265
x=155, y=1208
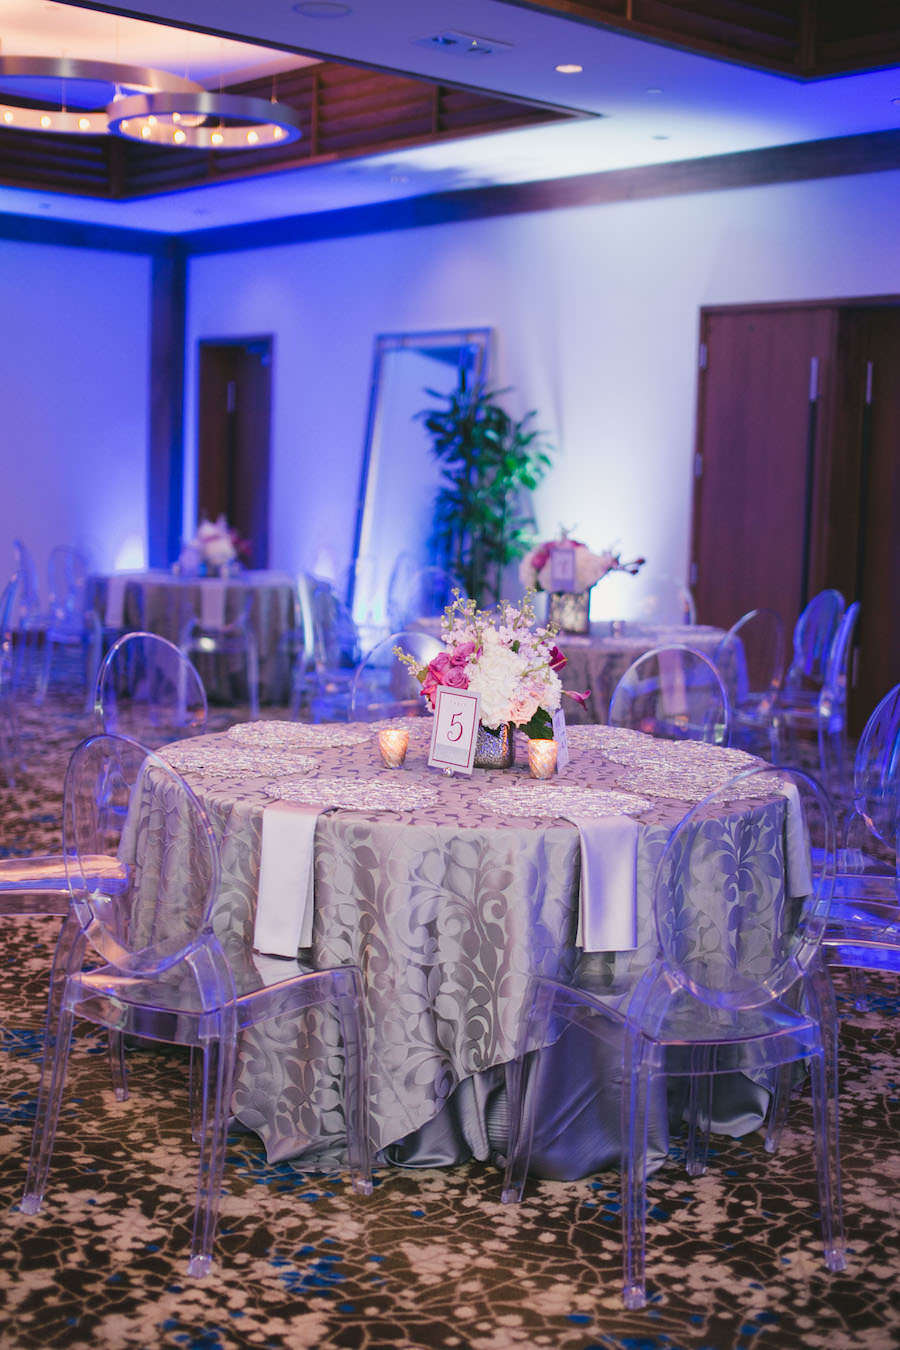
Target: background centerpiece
x=512, y=665
x=216, y=547
x=567, y=569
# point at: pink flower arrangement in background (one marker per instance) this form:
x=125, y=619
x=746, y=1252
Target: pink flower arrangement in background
x=500, y=655
x=535, y=570
x=216, y=544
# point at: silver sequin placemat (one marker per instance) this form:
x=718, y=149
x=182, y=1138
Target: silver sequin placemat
x=560, y=799
x=385, y=792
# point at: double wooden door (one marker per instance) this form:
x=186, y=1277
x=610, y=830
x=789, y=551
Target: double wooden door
x=798, y=442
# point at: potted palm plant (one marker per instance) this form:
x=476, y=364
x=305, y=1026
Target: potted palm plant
x=489, y=463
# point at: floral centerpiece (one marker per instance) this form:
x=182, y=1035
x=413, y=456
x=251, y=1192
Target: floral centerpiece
x=569, y=609
x=215, y=546
x=503, y=657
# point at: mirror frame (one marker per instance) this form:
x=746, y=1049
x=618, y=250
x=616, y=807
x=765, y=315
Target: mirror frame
x=385, y=344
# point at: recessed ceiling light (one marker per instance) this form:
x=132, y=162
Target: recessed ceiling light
x=659, y=138
x=569, y=69
x=895, y=100
x=652, y=91
x=321, y=9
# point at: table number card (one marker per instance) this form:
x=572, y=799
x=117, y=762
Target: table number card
x=562, y=568
x=455, y=730
x=562, y=740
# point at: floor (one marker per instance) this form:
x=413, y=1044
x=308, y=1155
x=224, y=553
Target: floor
x=431, y=1259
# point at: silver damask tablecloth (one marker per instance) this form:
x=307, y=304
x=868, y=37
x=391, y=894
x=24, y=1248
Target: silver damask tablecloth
x=598, y=660
x=448, y=907
x=161, y=602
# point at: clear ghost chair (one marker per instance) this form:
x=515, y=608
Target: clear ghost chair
x=428, y=593
x=737, y=986
x=165, y=975
x=233, y=639
x=750, y=659
x=71, y=622
x=675, y=693
x=325, y=685
x=824, y=717
x=813, y=634
x=10, y=752
x=384, y=686
x=30, y=620
x=404, y=569
x=149, y=690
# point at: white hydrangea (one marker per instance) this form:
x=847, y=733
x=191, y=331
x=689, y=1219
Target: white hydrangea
x=494, y=676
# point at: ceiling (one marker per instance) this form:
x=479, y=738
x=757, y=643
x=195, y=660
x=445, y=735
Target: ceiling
x=636, y=101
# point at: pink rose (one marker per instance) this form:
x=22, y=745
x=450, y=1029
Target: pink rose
x=461, y=656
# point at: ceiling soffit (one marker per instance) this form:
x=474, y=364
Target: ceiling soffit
x=804, y=38
x=345, y=112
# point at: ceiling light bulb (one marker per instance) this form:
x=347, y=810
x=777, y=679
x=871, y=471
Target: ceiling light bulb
x=152, y=120
x=46, y=121
x=176, y=117
x=84, y=123
x=178, y=137
x=217, y=138
x=7, y=116
x=252, y=137
x=278, y=134
x=572, y=68
x=146, y=131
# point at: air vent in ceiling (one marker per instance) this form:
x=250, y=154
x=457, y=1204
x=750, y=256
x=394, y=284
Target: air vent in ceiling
x=463, y=44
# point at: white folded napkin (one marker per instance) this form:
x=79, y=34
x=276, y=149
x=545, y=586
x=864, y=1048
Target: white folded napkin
x=115, y=602
x=607, y=902
x=212, y=603
x=284, y=905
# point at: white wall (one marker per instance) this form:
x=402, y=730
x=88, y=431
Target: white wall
x=74, y=397
x=595, y=313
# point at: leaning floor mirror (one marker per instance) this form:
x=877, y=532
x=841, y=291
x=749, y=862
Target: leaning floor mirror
x=400, y=475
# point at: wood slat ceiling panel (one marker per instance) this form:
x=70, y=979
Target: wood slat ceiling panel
x=808, y=38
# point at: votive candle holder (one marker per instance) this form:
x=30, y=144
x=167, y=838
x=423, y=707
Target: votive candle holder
x=542, y=758
x=393, y=743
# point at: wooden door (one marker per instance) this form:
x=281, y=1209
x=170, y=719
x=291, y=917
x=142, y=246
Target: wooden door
x=758, y=495
x=234, y=402
x=865, y=497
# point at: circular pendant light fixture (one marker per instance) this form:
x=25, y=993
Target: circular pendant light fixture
x=204, y=121
x=62, y=94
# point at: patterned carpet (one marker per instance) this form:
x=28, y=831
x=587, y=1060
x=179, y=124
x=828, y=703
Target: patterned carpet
x=432, y=1259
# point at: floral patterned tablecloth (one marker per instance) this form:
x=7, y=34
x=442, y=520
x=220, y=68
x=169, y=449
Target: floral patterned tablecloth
x=447, y=906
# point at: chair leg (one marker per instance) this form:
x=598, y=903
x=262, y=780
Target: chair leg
x=117, y=1069
x=356, y=1105
x=825, y=1101
x=218, y=1061
x=43, y=680
x=778, y=1108
x=68, y=956
x=253, y=675
x=635, y=1099
x=699, y=1115
x=521, y=1102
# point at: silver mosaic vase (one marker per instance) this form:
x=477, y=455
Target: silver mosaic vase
x=495, y=747
x=570, y=611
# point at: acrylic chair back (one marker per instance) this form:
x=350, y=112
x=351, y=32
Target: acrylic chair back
x=384, y=686
x=67, y=585
x=813, y=635
x=675, y=693
x=428, y=593
x=149, y=690
x=111, y=779
x=763, y=884
x=750, y=658
x=876, y=772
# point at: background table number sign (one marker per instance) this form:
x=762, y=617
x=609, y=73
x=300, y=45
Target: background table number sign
x=562, y=569
x=562, y=741
x=454, y=731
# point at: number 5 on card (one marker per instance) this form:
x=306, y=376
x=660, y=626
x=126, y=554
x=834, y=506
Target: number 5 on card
x=455, y=729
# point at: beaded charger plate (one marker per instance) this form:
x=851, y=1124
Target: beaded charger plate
x=272, y=735
x=557, y=799
x=386, y=792
x=223, y=761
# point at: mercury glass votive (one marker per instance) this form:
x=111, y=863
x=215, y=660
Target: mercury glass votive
x=393, y=743
x=542, y=758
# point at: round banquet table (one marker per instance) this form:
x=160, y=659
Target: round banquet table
x=448, y=892
x=596, y=661
x=161, y=602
